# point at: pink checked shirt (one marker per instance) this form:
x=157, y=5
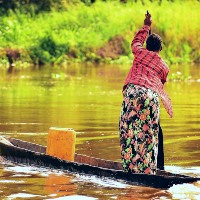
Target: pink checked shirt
x=148, y=70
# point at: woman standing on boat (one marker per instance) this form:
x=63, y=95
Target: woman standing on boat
x=140, y=110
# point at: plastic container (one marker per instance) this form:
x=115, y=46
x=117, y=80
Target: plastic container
x=61, y=143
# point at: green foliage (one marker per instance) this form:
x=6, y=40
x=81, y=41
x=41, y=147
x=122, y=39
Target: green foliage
x=74, y=31
x=35, y=6
x=48, y=50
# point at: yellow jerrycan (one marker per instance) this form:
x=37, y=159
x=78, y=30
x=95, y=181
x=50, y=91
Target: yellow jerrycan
x=61, y=143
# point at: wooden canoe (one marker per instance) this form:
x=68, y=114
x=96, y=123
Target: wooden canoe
x=27, y=153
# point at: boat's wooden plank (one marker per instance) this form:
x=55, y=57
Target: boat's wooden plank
x=5, y=141
x=28, y=145
x=98, y=162
x=78, y=157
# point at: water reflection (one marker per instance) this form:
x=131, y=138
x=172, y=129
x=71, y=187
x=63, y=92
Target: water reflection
x=144, y=193
x=36, y=183
x=40, y=183
x=59, y=185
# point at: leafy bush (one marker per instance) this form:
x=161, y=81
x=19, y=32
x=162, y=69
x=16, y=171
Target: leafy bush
x=48, y=51
x=35, y=6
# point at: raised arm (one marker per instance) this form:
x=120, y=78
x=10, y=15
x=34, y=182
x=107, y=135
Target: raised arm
x=141, y=35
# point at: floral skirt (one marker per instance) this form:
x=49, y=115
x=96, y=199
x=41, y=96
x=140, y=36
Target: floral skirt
x=138, y=127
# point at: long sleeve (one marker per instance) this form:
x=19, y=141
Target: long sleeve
x=164, y=78
x=139, y=38
x=165, y=71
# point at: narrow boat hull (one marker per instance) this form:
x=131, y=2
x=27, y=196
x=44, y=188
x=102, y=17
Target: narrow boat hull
x=32, y=154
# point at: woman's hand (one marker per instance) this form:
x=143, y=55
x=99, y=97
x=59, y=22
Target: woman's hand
x=148, y=20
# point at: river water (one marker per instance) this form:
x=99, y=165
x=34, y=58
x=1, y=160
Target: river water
x=87, y=98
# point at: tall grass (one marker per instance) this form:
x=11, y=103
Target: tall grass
x=57, y=37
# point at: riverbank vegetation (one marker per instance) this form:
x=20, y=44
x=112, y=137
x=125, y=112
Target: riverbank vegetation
x=55, y=31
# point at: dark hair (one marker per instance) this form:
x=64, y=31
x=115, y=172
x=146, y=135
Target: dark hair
x=154, y=43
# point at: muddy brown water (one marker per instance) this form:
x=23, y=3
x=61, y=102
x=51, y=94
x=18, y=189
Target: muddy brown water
x=87, y=98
